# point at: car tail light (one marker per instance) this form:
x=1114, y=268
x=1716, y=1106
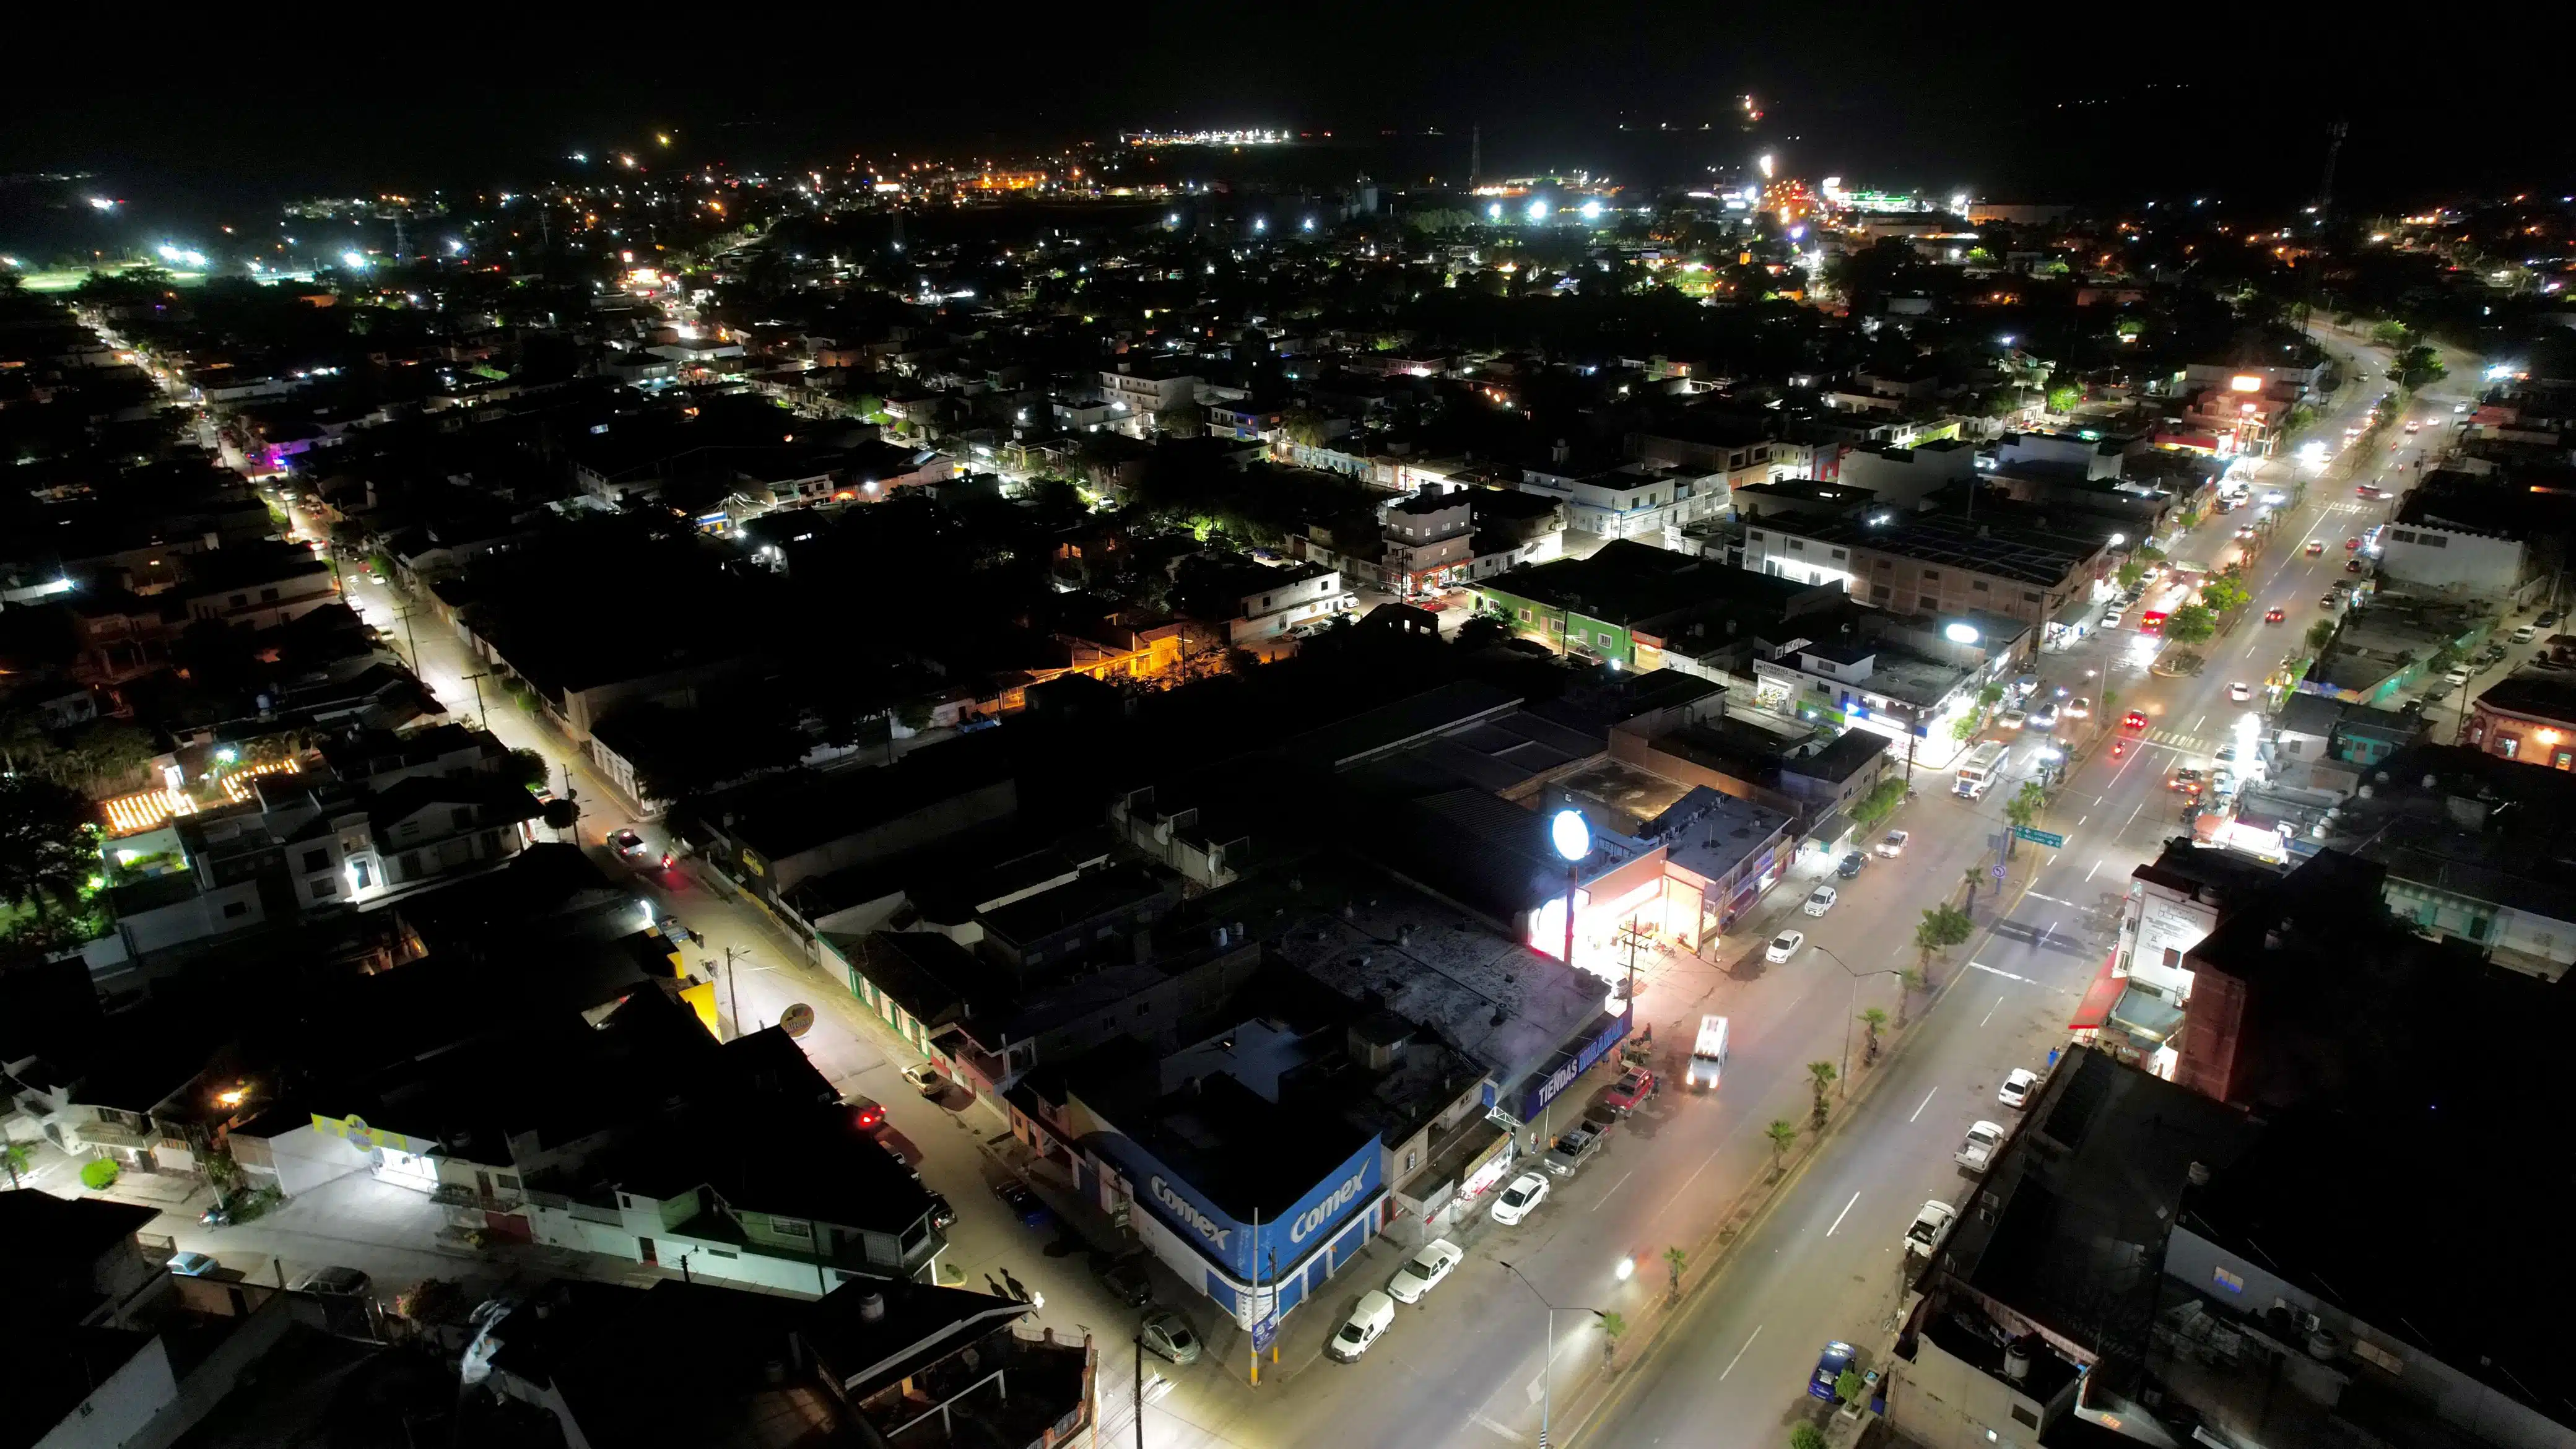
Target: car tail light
x=869, y=1117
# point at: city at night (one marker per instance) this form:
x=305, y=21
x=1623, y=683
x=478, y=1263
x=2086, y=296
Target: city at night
x=1404, y=727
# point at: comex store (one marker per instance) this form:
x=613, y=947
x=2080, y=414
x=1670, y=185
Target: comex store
x=1257, y=1264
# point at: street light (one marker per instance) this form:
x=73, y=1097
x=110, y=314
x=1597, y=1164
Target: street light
x=1854, y=1014
x=1546, y=1390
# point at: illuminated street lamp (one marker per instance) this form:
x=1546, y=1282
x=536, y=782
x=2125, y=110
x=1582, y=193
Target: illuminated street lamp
x=1546, y=1390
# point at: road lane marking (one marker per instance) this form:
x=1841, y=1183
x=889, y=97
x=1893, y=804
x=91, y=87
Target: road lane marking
x=2088, y=875
x=1991, y=1010
x=2196, y=724
x=2052, y=900
x=2008, y=976
x=1926, y=1102
x=2133, y=815
x=1846, y=1212
x=1614, y=1190
x=2080, y=819
x=1515, y=1435
x=1739, y=1354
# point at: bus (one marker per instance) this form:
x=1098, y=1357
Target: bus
x=1981, y=768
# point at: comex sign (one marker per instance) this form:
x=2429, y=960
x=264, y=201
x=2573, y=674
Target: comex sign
x=1330, y=1208
x=1189, y=1212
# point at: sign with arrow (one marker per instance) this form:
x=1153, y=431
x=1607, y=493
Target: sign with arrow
x=2040, y=837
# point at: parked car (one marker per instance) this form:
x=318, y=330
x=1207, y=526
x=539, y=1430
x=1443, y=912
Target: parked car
x=2547, y=619
x=1931, y=1224
x=1633, y=1087
x=1893, y=845
x=943, y=1215
x=1520, y=1199
x=2526, y=633
x=926, y=1080
x=1785, y=945
x=1423, y=1271
x=2352, y=565
x=1830, y=1364
x=2351, y=545
x=340, y=1282
x=2188, y=782
x=2328, y=602
x=1821, y=900
x=1984, y=1138
x=2454, y=679
x=186, y=1265
x=2015, y=1092
x=1168, y=1335
x=1023, y=1202
x=1572, y=1149
x=1127, y=1281
x=1849, y=867
x=1367, y=1324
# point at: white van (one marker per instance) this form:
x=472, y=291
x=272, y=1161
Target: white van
x=1368, y=1322
x=1708, y=1054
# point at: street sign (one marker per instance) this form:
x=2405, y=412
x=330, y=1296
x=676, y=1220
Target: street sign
x=796, y=1020
x=2040, y=837
x=1999, y=872
x=1263, y=1332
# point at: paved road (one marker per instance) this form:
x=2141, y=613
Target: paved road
x=1827, y=1262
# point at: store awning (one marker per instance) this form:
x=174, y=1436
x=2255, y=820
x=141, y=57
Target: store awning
x=2094, y=1011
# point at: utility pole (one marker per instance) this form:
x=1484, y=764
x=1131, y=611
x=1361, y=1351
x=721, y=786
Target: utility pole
x=476, y=679
x=1475, y=154
x=1140, y=1391
x=733, y=996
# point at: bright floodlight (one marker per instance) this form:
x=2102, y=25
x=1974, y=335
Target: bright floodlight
x=1766, y=164
x=2118, y=539
x=1538, y=211
x=1592, y=211
x=1571, y=837
x=354, y=261
x=1494, y=212
x=1961, y=634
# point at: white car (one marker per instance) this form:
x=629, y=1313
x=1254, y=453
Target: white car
x=1894, y=845
x=2015, y=1092
x=1786, y=945
x=1983, y=1140
x=2080, y=707
x=1822, y=900
x=1367, y=1324
x=1520, y=1199
x=1425, y=1270
x=2011, y=719
x=2044, y=717
x=1931, y=1225
x=2239, y=692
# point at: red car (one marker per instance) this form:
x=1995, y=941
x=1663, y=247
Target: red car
x=2273, y=616
x=1635, y=1085
x=2316, y=546
x=2133, y=720
x=2351, y=544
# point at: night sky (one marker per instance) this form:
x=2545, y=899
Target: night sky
x=2112, y=104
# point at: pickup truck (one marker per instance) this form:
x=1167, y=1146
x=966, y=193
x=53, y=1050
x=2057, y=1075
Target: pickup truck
x=1979, y=1153
x=1573, y=1149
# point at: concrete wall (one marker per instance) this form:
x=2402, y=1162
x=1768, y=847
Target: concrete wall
x=2467, y=565
x=1943, y=1402
x=121, y=1408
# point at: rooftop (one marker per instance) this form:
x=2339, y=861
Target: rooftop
x=2029, y=555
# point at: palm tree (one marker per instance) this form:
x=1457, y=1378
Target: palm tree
x=1871, y=1020
x=1676, y=1259
x=1824, y=1075
x=16, y=1156
x=1783, y=1135
x=1908, y=981
x=1612, y=1325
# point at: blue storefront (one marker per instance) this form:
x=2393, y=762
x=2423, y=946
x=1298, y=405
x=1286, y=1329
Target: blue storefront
x=1242, y=1265
x=1572, y=1061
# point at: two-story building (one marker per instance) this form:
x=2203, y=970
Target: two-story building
x=1941, y=565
